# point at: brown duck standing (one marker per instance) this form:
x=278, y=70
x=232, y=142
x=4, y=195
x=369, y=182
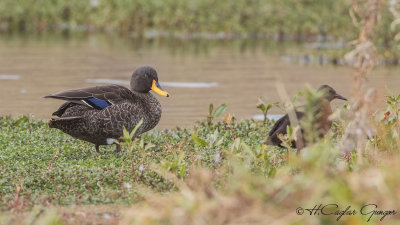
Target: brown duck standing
x=99, y=114
x=323, y=123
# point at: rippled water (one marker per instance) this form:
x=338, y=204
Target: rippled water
x=195, y=73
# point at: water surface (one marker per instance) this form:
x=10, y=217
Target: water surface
x=195, y=73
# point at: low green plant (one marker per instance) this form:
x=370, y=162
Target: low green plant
x=264, y=108
x=128, y=141
x=212, y=114
x=203, y=169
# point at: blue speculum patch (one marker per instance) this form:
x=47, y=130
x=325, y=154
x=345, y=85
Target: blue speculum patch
x=98, y=103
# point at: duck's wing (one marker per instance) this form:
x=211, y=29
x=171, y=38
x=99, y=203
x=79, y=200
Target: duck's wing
x=98, y=97
x=280, y=128
x=282, y=122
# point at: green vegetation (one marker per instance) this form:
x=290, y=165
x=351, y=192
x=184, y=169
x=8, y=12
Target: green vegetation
x=290, y=18
x=41, y=164
x=219, y=172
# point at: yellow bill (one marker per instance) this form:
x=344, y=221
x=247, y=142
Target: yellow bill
x=157, y=89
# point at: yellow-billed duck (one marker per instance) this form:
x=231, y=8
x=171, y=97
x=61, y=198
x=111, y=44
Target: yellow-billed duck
x=99, y=114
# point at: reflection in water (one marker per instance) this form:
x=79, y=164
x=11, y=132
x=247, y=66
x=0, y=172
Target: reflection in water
x=271, y=117
x=9, y=77
x=235, y=72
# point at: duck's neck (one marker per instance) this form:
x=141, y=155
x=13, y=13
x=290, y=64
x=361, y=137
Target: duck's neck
x=325, y=112
x=142, y=95
x=147, y=98
x=150, y=105
x=326, y=108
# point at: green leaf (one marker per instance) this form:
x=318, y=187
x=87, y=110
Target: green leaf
x=136, y=128
x=198, y=140
x=141, y=144
x=149, y=145
x=289, y=130
x=181, y=156
x=210, y=109
x=261, y=107
x=219, y=142
x=271, y=172
x=219, y=110
x=182, y=171
x=126, y=134
x=235, y=145
x=20, y=120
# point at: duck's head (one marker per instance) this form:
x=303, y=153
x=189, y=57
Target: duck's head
x=145, y=79
x=330, y=93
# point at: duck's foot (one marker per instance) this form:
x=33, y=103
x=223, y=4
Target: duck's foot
x=117, y=148
x=97, y=148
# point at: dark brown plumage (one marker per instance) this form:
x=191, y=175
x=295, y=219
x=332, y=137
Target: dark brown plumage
x=99, y=114
x=323, y=123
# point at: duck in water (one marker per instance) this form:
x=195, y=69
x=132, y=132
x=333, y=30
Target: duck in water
x=99, y=114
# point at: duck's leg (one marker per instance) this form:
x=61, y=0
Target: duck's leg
x=97, y=148
x=117, y=148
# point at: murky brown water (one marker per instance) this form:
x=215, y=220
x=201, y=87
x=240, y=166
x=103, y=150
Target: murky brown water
x=238, y=74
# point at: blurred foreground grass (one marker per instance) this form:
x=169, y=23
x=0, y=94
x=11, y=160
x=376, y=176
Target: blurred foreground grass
x=213, y=173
